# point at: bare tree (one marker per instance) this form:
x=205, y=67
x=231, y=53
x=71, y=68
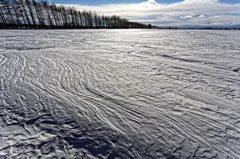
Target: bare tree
x=90, y=19
x=25, y=15
x=48, y=13
x=80, y=16
x=3, y=18
x=6, y=8
x=29, y=5
x=34, y=14
x=52, y=9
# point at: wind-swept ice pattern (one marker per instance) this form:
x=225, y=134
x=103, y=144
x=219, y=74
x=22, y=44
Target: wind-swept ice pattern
x=119, y=94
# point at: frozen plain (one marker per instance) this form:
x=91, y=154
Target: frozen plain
x=119, y=94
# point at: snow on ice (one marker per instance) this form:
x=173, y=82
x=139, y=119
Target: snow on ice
x=119, y=94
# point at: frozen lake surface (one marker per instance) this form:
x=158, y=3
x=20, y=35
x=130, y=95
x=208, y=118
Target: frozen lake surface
x=119, y=94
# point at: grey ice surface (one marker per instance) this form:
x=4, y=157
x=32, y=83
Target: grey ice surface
x=137, y=94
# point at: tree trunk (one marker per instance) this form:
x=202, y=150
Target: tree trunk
x=2, y=16
x=51, y=8
x=31, y=12
x=16, y=14
x=25, y=12
x=36, y=7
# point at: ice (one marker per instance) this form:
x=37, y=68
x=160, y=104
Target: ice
x=119, y=94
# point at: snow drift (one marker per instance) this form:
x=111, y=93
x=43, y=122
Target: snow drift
x=119, y=94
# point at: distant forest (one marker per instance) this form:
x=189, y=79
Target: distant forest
x=31, y=14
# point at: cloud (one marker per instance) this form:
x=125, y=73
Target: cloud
x=187, y=12
x=187, y=16
x=201, y=1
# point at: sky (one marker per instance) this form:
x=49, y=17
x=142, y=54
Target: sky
x=205, y=13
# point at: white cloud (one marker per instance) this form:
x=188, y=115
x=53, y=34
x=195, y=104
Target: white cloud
x=187, y=12
x=187, y=17
x=201, y=1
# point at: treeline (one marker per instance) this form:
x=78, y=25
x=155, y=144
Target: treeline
x=31, y=14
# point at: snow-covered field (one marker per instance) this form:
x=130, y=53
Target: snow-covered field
x=119, y=94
